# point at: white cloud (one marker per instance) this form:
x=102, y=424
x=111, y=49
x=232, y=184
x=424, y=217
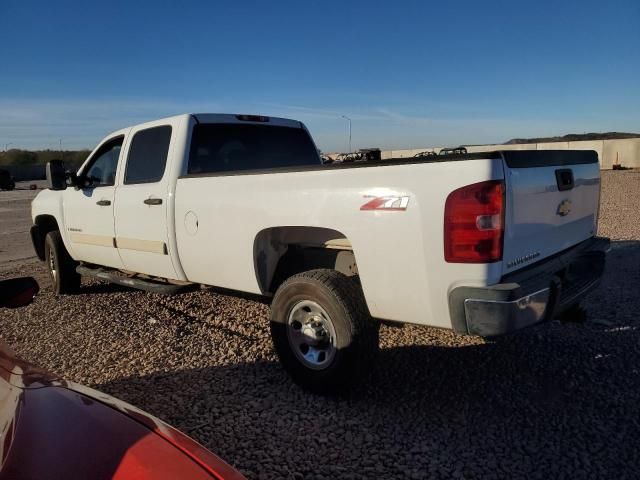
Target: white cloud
x=40, y=123
x=79, y=123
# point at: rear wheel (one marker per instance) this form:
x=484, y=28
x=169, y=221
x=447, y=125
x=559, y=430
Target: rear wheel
x=62, y=268
x=322, y=331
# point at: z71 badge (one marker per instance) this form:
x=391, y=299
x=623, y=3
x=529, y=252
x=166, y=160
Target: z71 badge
x=389, y=203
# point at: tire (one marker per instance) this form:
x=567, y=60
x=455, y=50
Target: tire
x=62, y=268
x=322, y=331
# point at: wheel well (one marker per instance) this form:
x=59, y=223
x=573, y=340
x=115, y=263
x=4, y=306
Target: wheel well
x=44, y=224
x=281, y=252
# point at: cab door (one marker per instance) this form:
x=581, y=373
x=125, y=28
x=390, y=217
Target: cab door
x=142, y=201
x=88, y=211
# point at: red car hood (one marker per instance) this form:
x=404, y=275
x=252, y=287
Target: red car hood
x=51, y=428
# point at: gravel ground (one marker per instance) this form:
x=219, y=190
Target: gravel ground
x=560, y=400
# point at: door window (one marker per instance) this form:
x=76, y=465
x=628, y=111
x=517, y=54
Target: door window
x=148, y=155
x=102, y=169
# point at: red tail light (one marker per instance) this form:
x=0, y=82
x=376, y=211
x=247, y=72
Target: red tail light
x=474, y=223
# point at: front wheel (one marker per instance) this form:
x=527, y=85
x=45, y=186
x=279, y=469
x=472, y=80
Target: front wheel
x=62, y=268
x=322, y=331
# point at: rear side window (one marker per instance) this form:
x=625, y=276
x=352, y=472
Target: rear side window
x=148, y=155
x=236, y=147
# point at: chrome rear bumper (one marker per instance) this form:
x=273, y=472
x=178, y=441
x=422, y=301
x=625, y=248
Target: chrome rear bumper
x=531, y=295
x=513, y=314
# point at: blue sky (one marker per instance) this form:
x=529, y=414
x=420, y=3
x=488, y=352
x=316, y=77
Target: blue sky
x=409, y=74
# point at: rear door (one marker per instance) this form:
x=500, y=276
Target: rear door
x=552, y=203
x=142, y=202
x=88, y=211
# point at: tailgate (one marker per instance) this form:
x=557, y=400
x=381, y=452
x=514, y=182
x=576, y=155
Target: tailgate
x=552, y=201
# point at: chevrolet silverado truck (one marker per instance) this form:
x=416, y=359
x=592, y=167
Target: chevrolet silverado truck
x=480, y=243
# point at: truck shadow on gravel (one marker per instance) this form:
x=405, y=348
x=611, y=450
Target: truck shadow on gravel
x=95, y=287
x=556, y=400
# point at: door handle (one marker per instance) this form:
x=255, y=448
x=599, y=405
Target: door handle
x=103, y=203
x=153, y=201
x=564, y=179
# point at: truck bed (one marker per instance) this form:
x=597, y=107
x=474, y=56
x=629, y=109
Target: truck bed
x=513, y=158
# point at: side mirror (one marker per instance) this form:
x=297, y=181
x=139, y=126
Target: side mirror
x=17, y=292
x=56, y=175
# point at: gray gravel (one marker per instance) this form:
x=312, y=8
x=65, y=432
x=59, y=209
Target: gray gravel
x=555, y=401
x=620, y=205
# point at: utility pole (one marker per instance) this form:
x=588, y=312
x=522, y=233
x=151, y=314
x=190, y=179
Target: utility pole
x=6, y=146
x=347, y=118
x=61, y=152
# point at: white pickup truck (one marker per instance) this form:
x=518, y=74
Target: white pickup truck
x=483, y=243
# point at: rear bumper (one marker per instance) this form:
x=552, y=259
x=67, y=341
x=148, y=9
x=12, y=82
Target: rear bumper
x=530, y=295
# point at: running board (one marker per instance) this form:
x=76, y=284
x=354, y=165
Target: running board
x=139, y=283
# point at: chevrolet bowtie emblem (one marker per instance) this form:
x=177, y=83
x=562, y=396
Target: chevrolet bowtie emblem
x=564, y=208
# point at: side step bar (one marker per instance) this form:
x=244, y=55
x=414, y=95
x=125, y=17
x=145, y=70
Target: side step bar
x=139, y=283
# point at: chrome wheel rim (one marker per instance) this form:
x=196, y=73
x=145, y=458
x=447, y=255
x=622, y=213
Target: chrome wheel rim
x=52, y=265
x=311, y=334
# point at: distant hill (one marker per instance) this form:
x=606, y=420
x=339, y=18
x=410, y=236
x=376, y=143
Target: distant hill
x=72, y=158
x=574, y=137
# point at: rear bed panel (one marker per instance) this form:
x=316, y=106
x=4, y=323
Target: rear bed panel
x=400, y=253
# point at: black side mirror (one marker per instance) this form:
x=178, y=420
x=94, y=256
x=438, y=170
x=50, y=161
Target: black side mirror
x=56, y=175
x=18, y=292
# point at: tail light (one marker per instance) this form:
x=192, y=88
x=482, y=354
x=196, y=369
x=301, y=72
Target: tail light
x=474, y=223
